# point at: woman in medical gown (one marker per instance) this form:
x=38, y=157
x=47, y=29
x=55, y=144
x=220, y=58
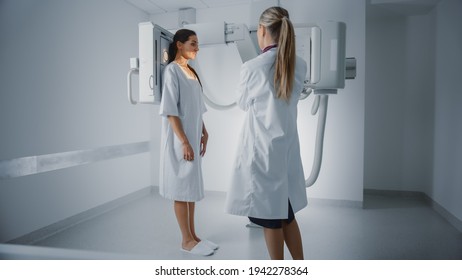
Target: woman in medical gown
x=268, y=184
x=184, y=139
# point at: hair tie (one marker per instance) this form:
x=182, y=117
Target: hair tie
x=284, y=17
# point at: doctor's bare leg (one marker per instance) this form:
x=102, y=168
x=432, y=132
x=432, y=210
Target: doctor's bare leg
x=288, y=234
x=293, y=239
x=274, y=238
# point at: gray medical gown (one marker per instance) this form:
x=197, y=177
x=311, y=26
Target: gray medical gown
x=181, y=180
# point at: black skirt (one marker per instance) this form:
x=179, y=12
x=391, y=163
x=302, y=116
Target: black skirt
x=274, y=223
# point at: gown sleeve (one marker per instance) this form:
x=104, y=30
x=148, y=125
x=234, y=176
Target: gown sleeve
x=169, y=105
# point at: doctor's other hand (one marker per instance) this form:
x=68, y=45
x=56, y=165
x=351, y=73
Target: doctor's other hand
x=188, y=152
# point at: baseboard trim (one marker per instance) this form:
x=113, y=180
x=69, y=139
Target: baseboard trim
x=453, y=220
x=335, y=202
x=50, y=230
x=393, y=193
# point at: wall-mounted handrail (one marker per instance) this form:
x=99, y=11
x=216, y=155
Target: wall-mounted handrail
x=31, y=165
x=129, y=84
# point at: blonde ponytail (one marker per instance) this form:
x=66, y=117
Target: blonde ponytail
x=276, y=20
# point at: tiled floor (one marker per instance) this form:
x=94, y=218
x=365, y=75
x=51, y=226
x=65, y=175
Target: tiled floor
x=387, y=228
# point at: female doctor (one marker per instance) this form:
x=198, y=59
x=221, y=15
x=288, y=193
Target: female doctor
x=268, y=184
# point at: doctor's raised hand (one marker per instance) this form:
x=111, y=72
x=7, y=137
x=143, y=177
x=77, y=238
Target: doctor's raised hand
x=268, y=184
x=184, y=136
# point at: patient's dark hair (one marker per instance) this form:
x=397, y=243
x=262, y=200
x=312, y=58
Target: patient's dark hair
x=182, y=36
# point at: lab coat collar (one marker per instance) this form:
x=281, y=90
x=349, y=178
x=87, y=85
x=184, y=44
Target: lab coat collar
x=267, y=48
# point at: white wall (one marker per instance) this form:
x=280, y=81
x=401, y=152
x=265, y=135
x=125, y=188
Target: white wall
x=385, y=86
x=63, y=68
x=341, y=175
x=413, y=99
x=399, y=102
x=447, y=175
x=419, y=100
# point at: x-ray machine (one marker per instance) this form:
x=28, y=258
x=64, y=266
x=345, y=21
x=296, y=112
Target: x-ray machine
x=323, y=50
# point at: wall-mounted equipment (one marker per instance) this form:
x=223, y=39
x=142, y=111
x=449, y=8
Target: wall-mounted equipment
x=153, y=57
x=321, y=45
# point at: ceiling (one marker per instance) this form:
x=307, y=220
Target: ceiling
x=375, y=8
x=166, y=6
x=381, y=8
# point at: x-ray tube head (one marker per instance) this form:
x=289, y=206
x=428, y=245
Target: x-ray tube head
x=327, y=59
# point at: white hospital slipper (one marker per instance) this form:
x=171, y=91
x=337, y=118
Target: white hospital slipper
x=200, y=249
x=210, y=244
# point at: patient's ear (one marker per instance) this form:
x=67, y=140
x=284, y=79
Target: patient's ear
x=179, y=45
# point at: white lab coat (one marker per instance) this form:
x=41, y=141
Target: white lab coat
x=268, y=170
x=181, y=180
